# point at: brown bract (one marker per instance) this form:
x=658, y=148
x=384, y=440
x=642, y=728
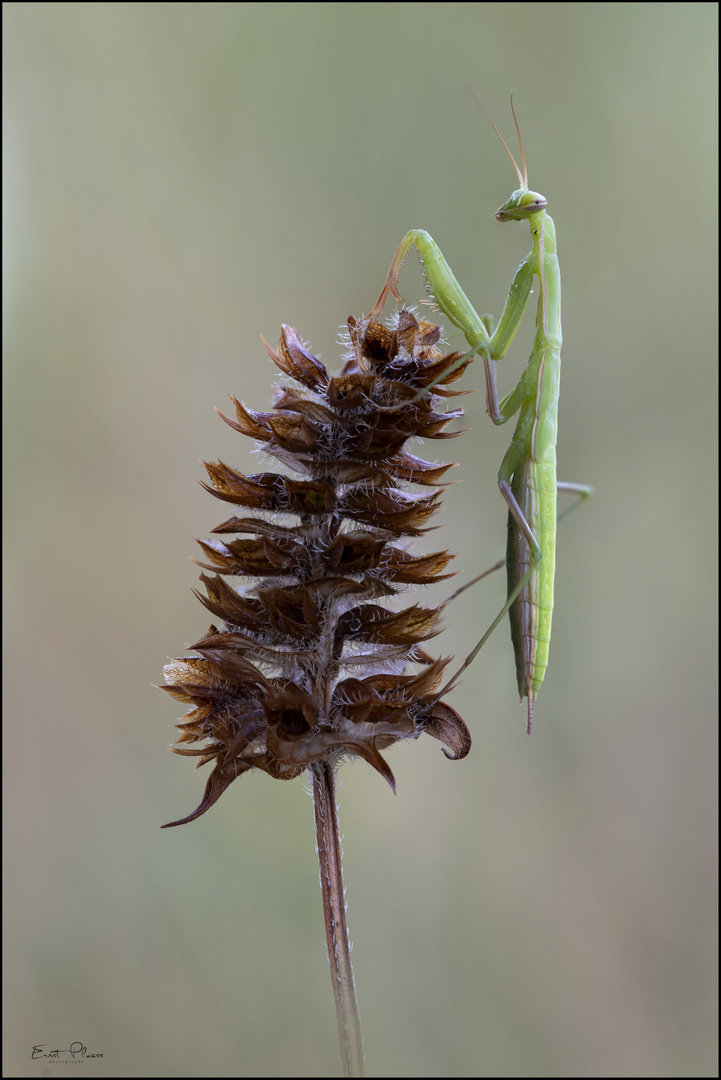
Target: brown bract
x=307, y=665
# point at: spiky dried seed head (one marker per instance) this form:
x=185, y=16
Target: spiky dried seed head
x=306, y=665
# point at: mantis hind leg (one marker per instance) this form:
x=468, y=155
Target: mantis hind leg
x=498, y=619
x=582, y=491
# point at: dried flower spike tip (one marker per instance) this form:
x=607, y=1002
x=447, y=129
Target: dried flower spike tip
x=307, y=665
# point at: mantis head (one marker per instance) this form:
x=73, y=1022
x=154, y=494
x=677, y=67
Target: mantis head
x=523, y=203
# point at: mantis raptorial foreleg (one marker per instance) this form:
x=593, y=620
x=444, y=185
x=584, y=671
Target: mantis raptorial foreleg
x=527, y=476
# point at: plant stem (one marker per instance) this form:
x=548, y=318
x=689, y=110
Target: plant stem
x=331, y=883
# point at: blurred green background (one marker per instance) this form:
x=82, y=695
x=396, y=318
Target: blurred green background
x=179, y=179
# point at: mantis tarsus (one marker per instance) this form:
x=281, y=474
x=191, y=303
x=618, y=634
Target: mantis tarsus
x=527, y=476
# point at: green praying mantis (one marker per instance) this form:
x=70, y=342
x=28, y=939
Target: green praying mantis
x=527, y=476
